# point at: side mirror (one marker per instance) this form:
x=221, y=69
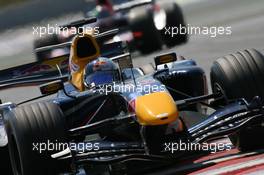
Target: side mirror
x=51, y=87
x=165, y=58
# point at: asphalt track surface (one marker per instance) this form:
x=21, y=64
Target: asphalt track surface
x=246, y=19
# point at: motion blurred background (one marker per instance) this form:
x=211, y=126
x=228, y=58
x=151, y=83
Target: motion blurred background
x=17, y=18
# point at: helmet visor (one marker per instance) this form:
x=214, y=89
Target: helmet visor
x=100, y=78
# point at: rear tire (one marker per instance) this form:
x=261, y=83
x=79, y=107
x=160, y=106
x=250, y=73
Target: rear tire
x=241, y=75
x=174, y=18
x=30, y=125
x=141, y=20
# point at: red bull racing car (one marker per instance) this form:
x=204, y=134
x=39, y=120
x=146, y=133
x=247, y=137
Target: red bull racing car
x=110, y=117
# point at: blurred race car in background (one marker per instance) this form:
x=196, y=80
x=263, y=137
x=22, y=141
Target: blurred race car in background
x=141, y=23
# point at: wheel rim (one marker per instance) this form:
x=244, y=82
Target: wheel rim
x=218, y=88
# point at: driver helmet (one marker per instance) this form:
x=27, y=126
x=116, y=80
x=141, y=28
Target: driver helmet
x=100, y=72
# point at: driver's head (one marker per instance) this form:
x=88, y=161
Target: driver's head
x=101, y=71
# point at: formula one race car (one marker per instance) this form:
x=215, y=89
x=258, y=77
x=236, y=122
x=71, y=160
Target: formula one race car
x=144, y=24
x=110, y=117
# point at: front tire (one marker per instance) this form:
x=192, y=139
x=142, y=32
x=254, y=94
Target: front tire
x=38, y=123
x=241, y=75
x=5, y=161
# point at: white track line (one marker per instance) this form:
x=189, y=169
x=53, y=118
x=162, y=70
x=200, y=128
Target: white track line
x=234, y=167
